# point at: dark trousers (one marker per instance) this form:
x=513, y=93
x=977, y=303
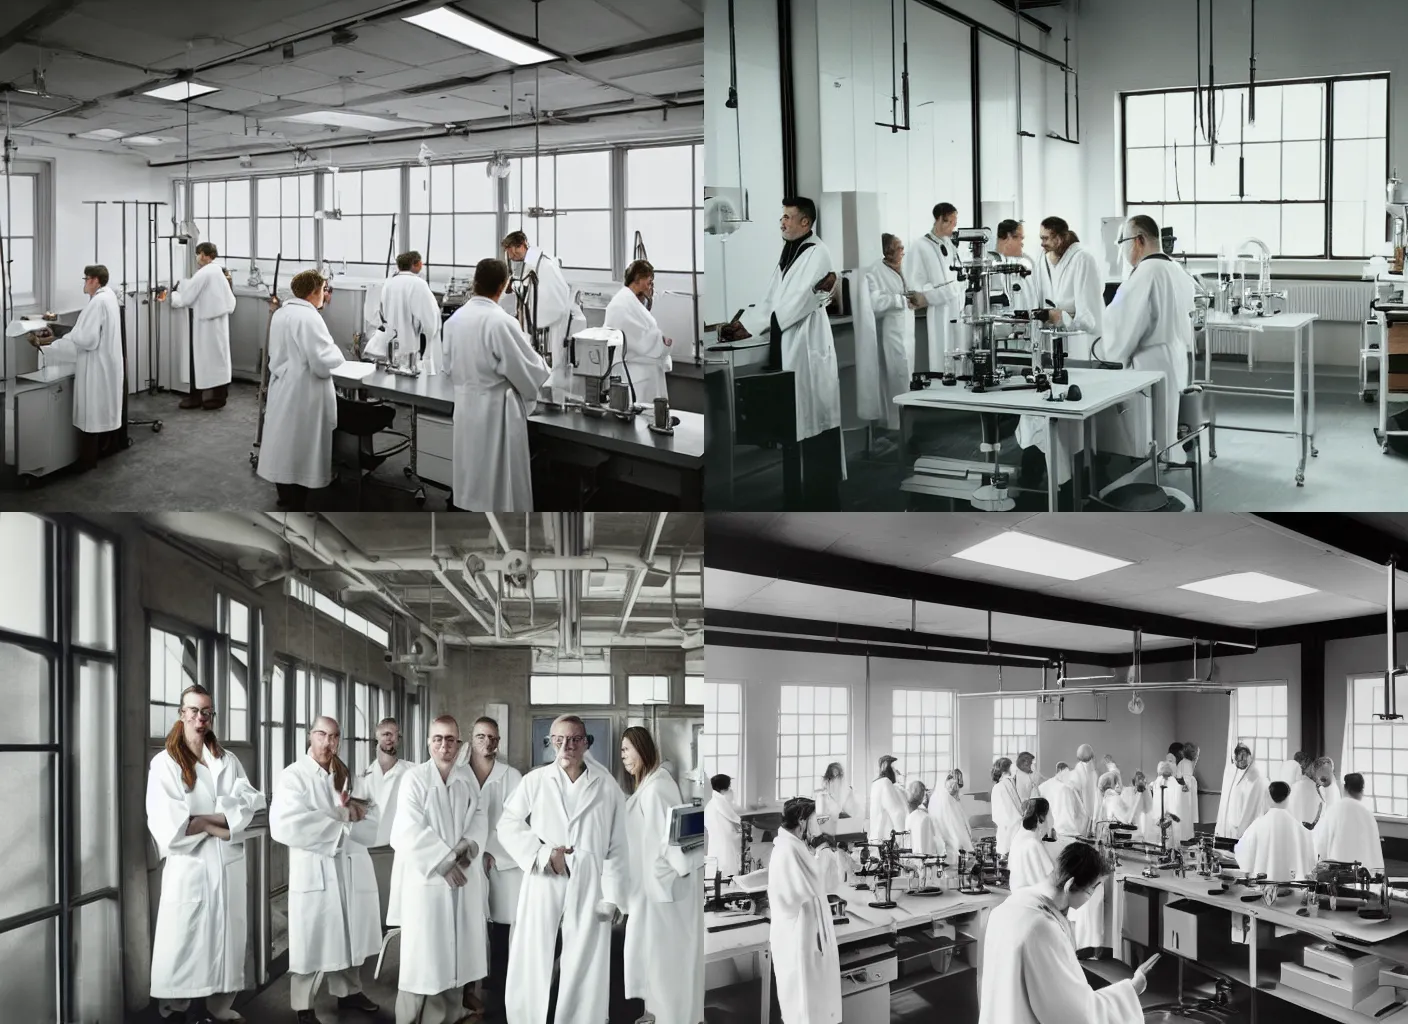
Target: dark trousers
x=812, y=473
x=292, y=497
x=90, y=446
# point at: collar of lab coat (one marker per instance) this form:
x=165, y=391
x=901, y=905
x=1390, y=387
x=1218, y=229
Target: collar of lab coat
x=498, y=771
x=375, y=767
x=593, y=776
x=655, y=778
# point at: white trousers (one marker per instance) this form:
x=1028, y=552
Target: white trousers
x=444, y=1008
x=303, y=987
x=554, y=902
x=219, y=1006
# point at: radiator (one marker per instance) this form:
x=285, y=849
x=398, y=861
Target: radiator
x=1336, y=301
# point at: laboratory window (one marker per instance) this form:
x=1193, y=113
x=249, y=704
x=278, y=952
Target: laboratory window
x=648, y=689
x=1376, y=748
x=1261, y=721
x=175, y=661
x=720, y=745
x=547, y=689
x=922, y=733
x=812, y=732
x=1014, y=727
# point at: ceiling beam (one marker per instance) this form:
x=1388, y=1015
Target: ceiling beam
x=769, y=560
x=717, y=620
x=816, y=645
x=36, y=22
x=1344, y=534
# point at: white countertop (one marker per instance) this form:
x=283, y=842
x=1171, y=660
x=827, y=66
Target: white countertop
x=1100, y=389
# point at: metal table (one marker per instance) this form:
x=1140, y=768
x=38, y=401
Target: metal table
x=1100, y=390
x=1301, y=328
x=672, y=464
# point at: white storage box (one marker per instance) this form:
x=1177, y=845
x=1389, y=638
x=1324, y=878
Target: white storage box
x=1323, y=986
x=1359, y=969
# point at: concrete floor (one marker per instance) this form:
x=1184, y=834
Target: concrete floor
x=1253, y=471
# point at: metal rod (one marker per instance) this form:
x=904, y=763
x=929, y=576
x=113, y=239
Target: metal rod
x=1251, y=73
x=1390, y=680
x=1099, y=691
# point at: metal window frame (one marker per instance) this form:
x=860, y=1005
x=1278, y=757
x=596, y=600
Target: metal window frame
x=847, y=755
x=1375, y=677
x=42, y=220
x=225, y=644
x=706, y=736
x=1328, y=142
x=952, y=717
x=206, y=663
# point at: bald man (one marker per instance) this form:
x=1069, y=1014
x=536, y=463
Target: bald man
x=565, y=826
x=334, y=913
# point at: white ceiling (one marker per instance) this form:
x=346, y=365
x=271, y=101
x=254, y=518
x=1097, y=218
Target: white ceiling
x=1166, y=550
x=100, y=49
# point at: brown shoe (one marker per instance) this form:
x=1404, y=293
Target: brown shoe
x=217, y=396
x=191, y=401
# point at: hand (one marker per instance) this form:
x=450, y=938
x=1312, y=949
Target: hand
x=1056, y=315
x=918, y=301
x=41, y=338
x=1141, y=974
x=669, y=342
x=488, y=863
x=826, y=283
x=455, y=876
x=161, y=295
x=274, y=303
x=607, y=911
x=358, y=810
x=471, y=851
x=558, y=862
x=733, y=332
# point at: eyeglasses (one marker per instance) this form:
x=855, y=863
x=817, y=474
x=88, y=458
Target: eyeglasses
x=203, y=713
x=568, y=741
x=437, y=741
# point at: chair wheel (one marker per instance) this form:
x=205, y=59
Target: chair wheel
x=156, y=427
x=1367, y=397
x=254, y=458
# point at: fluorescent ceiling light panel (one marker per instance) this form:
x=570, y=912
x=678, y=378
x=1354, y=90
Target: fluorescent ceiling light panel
x=1252, y=587
x=477, y=35
x=149, y=140
x=1024, y=553
x=343, y=119
x=101, y=134
x=181, y=91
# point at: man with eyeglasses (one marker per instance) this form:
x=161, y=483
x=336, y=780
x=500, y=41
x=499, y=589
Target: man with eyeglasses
x=566, y=828
x=382, y=781
x=440, y=829
x=334, y=913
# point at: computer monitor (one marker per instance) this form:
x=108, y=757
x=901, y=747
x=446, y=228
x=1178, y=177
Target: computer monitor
x=687, y=826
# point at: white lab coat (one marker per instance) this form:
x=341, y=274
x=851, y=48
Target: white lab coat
x=831, y=802
x=535, y=820
x=1304, y=802
x=928, y=269
x=1086, y=783
x=1006, y=811
x=884, y=332
x=202, y=919
x=805, y=957
x=1020, y=292
x=383, y=788
x=408, y=307
x=664, y=949
x=924, y=835
x=1288, y=772
x=887, y=809
x=1348, y=831
x=95, y=347
x=808, y=349
x=836, y=868
x=1148, y=327
x=952, y=823
x=496, y=375
x=721, y=819
x=1031, y=974
x=301, y=411
x=1277, y=846
x=334, y=912
x=209, y=296
x=647, y=355
x=1028, y=784
x=506, y=877
x=551, y=301
x=1067, y=812
x=1184, y=829
x=444, y=943
x=1174, y=801
x=1030, y=860
x=1244, y=799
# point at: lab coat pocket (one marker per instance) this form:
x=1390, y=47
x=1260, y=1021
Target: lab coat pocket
x=305, y=875
x=185, y=879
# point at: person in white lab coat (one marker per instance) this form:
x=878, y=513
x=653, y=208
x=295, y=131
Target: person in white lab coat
x=440, y=831
x=1066, y=820
x=1006, y=805
x=1085, y=780
x=947, y=812
x=724, y=827
x=496, y=375
x=199, y=803
x=1071, y=287
x=1276, y=845
x=207, y=293
x=664, y=950
x=1148, y=326
x=1030, y=971
x=1327, y=789
x=1113, y=805
x=1183, y=773
x=792, y=316
x=95, y=347
x=1348, y=830
x=1167, y=798
x=887, y=810
x=411, y=313
x=1244, y=796
x=566, y=828
x=884, y=332
x=838, y=809
x=381, y=780
x=647, y=359
x=546, y=310
x=805, y=958
x=1294, y=769
x=1029, y=780
x=1304, y=804
x=924, y=837
x=1029, y=861
x=333, y=909
x=937, y=290
x=1013, y=292
x=295, y=454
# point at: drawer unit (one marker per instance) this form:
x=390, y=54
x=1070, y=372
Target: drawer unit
x=434, y=436
x=1194, y=930
x=1137, y=917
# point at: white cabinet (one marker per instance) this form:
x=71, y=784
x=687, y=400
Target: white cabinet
x=45, y=437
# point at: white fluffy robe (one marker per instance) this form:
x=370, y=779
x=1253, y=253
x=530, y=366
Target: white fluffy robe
x=534, y=822
x=496, y=375
x=384, y=787
x=927, y=268
x=1006, y=811
x=725, y=842
x=884, y=330
x=647, y=355
x=1031, y=974
x=833, y=800
x=506, y=877
x=1028, y=784
x=1244, y=799
x=665, y=924
x=201, y=922
x=208, y=294
x=1066, y=810
x=301, y=411
x=952, y=823
x=1184, y=829
x=803, y=939
x=1288, y=772
x=334, y=912
x=887, y=809
x=444, y=943
x=94, y=346
x=924, y=835
x=1085, y=780
x=1348, y=831
x=1304, y=801
x=1277, y=846
x=1029, y=861
x=408, y=307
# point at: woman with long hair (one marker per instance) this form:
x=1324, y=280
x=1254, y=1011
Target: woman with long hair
x=836, y=799
x=1006, y=806
x=1030, y=860
x=665, y=909
x=802, y=935
x=199, y=803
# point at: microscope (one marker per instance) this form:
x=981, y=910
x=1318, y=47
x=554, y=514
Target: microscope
x=888, y=869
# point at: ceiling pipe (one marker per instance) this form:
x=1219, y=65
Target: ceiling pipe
x=1392, y=669
x=647, y=553
x=1034, y=659
x=444, y=580
x=567, y=535
x=1101, y=691
x=499, y=534
x=600, y=561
